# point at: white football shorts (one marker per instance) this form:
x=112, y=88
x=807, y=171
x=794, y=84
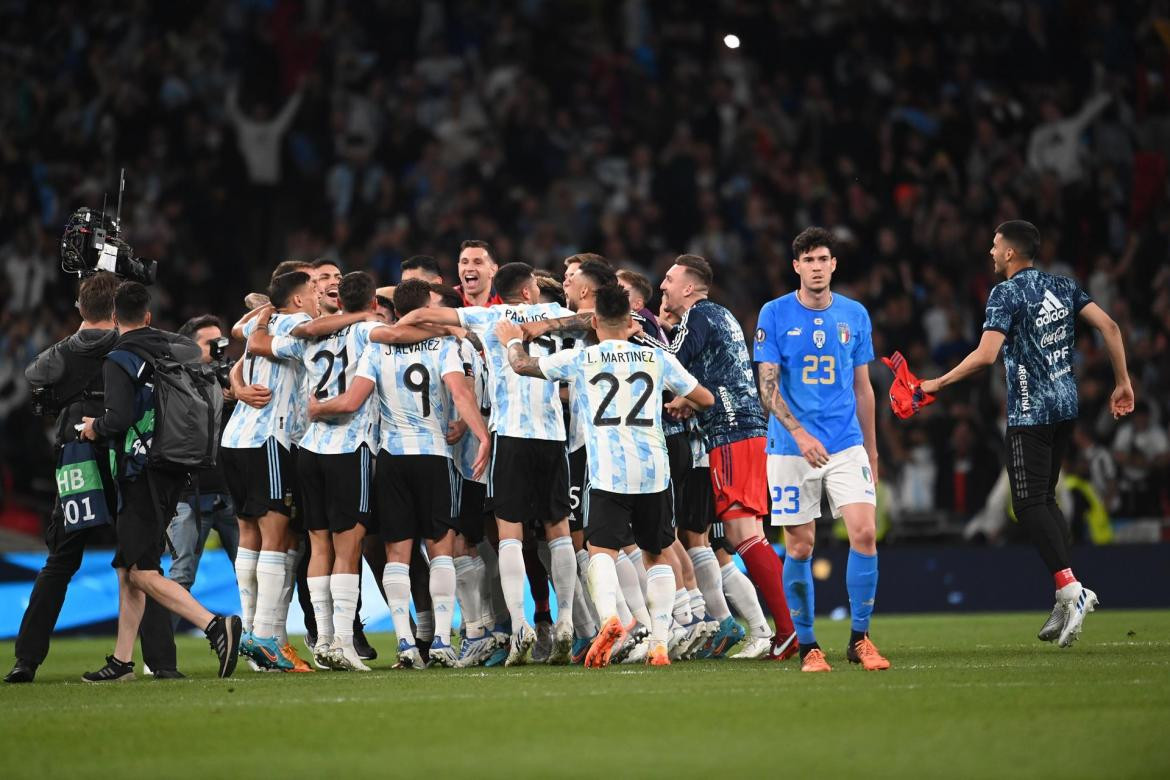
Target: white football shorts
x=795, y=487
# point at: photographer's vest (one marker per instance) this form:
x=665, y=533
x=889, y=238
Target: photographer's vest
x=128, y=456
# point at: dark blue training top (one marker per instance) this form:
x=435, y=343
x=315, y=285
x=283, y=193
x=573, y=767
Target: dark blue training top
x=1036, y=311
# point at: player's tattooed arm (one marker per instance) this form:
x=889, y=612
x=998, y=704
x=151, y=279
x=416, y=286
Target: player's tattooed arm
x=771, y=399
x=522, y=363
x=578, y=324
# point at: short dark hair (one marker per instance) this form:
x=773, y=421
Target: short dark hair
x=385, y=303
x=449, y=295
x=582, y=257
x=475, y=243
x=95, y=297
x=612, y=303
x=511, y=278
x=1023, y=236
x=410, y=295
x=551, y=288
x=356, y=290
x=288, y=266
x=639, y=282
x=811, y=238
x=131, y=302
x=195, y=324
x=322, y=261
x=598, y=272
x=284, y=286
x=422, y=263
x=698, y=268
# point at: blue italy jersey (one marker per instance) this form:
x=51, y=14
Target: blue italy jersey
x=709, y=343
x=331, y=363
x=414, y=401
x=522, y=407
x=1036, y=312
x=816, y=350
x=285, y=416
x=617, y=388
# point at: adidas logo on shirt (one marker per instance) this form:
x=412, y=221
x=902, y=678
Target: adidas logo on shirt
x=1051, y=310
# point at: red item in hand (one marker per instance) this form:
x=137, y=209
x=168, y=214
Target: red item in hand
x=906, y=395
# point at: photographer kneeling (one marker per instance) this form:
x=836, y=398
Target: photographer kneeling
x=205, y=504
x=149, y=493
x=67, y=382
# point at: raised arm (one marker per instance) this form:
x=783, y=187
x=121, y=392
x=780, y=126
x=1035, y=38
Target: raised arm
x=522, y=363
x=579, y=324
x=1121, y=402
x=430, y=316
x=405, y=334
x=238, y=328
x=980, y=358
x=866, y=404
x=329, y=324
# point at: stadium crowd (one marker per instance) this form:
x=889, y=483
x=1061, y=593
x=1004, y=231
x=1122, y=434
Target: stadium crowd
x=257, y=131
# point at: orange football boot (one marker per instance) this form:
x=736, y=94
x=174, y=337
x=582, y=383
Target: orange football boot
x=299, y=664
x=607, y=639
x=815, y=661
x=865, y=653
x=658, y=656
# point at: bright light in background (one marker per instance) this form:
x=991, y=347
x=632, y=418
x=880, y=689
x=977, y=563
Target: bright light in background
x=731, y=41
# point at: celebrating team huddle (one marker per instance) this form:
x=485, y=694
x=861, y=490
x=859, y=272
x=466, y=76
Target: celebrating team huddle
x=554, y=432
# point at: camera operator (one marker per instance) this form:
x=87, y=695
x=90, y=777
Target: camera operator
x=67, y=381
x=149, y=493
x=205, y=504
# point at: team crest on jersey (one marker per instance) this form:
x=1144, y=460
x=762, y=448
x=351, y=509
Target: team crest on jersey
x=760, y=335
x=867, y=474
x=843, y=332
x=819, y=338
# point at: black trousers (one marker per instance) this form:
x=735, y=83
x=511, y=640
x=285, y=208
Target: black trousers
x=48, y=596
x=1034, y=456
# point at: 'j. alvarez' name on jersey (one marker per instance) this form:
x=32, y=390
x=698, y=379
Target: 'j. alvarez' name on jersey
x=622, y=357
x=430, y=345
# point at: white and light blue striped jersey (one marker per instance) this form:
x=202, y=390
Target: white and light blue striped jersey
x=464, y=451
x=284, y=417
x=522, y=406
x=331, y=364
x=415, y=405
x=618, y=388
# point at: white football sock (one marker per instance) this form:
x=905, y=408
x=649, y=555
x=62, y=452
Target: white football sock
x=563, y=569
x=631, y=589
x=485, y=604
x=467, y=592
x=583, y=589
x=286, y=594
x=512, y=580
x=246, y=582
x=443, y=595
x=344, y=589
x=603, y=585
x=584, y=623
x=639, y=568
x=493, y=597
x=322, y=608
x=396, y=582
x=742, y=595
x=269, y=584
x=698, y=605
x=682, y=606
x=660, y=599
x=424, y=625
x=710, y=581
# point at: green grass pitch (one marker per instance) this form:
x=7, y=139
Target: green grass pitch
x=969, y=696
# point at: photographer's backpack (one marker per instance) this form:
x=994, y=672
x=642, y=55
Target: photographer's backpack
x=187, y=408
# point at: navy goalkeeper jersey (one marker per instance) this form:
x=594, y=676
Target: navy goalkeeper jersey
x=1036, y=313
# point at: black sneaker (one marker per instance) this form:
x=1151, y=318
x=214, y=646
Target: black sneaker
x=362, y=645
x=23, y=672
x=169, y=674
x=113, y=671
x=224, y=635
